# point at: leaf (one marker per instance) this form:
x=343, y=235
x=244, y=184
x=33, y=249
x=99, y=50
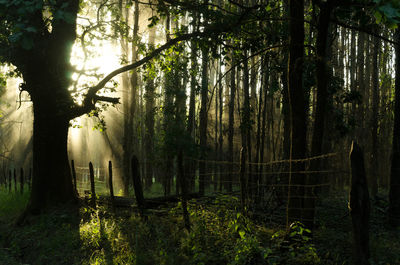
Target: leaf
x=242, y=234
x=378, y=17
x=389, y=11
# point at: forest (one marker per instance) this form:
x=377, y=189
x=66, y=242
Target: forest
x=200, y=132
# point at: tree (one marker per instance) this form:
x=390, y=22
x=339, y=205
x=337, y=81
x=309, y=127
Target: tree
x=322, y=77
x=39, y=44
x=298, y=107
x=394, y=191
x=37, y=37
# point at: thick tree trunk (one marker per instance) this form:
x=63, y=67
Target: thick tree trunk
x=298, y=109
x=321, y=111
x=359, y=206
x=394, y=190
x=52, y=180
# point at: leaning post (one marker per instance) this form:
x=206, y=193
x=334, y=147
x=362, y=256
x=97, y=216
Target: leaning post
x=359, y=206
x=110, y=182
x=137, y=183
x=21, y=183
x=9, y=180
x=92, y=186
x=243, y=184
x=15, y=180
x=74, y=176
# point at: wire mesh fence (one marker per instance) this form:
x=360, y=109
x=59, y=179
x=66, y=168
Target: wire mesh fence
x=264, y=188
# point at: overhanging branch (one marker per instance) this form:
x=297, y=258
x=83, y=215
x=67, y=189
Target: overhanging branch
x=91, y=98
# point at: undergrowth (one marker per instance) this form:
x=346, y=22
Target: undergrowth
x=220, y=234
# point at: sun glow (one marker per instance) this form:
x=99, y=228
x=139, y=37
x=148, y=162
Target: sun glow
x=91, y=60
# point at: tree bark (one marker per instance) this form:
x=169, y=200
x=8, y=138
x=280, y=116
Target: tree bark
x=374, y=118
x=359, y=206
x=321, y=110
x=203, y=121
x=394, y=189
x=52, y=181
x=231, y=122
x=245, y=126
x=298, y=109
x=149, y=121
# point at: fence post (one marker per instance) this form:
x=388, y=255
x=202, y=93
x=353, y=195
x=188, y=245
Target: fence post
x=5, y=178
x=243, y=184
x=74, y=176
x=9, y=180
x=15, y=180
x=137, y=184
x=183, y=180
x=110, y=182
x=30, y=179
x=359, y=206
x=92, y=186
x=21, y=180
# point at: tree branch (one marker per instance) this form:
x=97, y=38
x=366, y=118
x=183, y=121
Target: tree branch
x=91, y=98
x=107, y=99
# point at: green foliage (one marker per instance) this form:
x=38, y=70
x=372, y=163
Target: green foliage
x=387, y=12
x=220, y=234
x=20, y=23
x=12, y=203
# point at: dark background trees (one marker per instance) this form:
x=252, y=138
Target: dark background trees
x=282, y=80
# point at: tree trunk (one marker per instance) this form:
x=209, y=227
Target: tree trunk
x=394, y=189
x=374, y=118
x=168, y=121
x=298, y=109
x=231, y=122
x=203, y=121
x=359, y=206
x=149, y=121
x=52, y=180
x=321, y=110
x=245, y=125
x=191, y=165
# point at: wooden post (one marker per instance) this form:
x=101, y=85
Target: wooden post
x=74, y=176
x=182, y=181
x=92, y=186
x=137, y=184
x=110, y=182
x=359, y=206
x=243, y=184
x=15, y=180
x=5, y=178
x=9, y=180
x=21, y=183
x=30, y=179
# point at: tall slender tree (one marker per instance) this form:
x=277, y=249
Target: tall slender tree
x=394, y=190
x=298, y=108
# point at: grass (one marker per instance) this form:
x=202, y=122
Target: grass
x=220, y=234
x=12, y=203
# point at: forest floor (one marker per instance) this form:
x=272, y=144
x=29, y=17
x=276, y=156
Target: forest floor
x=219, y=234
